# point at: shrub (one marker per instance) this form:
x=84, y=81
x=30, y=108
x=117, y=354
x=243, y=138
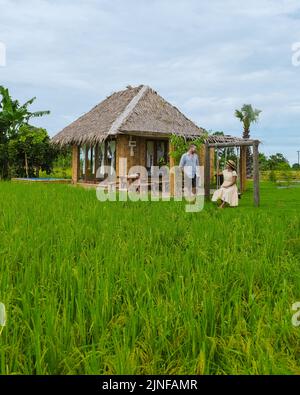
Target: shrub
x=272, y=176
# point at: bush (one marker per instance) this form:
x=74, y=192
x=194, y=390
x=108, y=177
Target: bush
x=287, y=177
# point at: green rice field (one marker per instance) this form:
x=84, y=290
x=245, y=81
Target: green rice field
x=146, y=288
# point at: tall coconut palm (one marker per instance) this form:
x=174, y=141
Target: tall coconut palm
x=247, y=115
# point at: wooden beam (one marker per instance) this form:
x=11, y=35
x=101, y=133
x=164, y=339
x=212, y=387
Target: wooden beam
x=75, y=164
x=256, y=190
x=247, y=143
x=207, y=172
x=243, y=169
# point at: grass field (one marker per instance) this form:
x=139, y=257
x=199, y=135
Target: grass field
x=146, y=288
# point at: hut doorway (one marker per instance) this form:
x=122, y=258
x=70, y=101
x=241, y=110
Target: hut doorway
x=156, y=153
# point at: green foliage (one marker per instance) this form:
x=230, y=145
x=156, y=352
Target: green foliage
x=272, y=176
x=62, y=165
x=278, y=162
x=216, y=133
x=263, y=162
x=30, y=151
x=58, y=172
x=13, y=114
x=224, y=154
x=287, y=177
x=275, y=162
x=181, y=145
x=278, y=175
x=247, y=115
x=64, y=157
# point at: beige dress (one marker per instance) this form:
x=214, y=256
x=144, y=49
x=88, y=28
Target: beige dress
x=228, y=195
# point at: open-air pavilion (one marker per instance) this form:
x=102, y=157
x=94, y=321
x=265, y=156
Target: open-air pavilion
x=136, y=124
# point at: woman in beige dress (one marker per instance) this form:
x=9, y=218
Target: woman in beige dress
x=228, y=191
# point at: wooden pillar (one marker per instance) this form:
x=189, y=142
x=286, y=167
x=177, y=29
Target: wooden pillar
x=75, y=164
x=256, y=190
x=87, y=162
x=172, y=173
x=122, y=155
x=96, y=148
x=202, y=155
x=243, y=168
x=118, y=154
x=207, y=172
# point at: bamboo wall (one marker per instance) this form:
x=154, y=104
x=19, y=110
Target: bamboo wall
x=123, y=151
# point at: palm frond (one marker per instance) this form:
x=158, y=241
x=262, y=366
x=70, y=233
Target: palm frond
x=239, y=115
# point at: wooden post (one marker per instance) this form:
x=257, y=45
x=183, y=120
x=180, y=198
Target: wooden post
x=75, y=164
x=212, y=163
x=207, y=172
x=172, y=173
x=243, y=168
x=118, y=154
x=202, y=155
x=122, y=155
x=256, y=190
x=87, y=162
x=96, y=159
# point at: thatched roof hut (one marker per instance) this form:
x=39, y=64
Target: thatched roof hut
x=132, y=128
x=135, y=110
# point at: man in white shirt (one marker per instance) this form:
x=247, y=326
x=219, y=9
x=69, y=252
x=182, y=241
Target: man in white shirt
x=189, y=163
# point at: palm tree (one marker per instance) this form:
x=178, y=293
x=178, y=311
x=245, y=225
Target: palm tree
x=247, y=115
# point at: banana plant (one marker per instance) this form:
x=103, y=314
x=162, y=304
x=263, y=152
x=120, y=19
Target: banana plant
x=13, y=114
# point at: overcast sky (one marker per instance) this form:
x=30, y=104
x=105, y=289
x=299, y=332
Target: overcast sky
x=205, y=57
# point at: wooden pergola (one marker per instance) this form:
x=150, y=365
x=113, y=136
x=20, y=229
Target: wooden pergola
x=231, y=142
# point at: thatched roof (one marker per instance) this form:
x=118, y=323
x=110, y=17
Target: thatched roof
x=135, y=110
x=219, y=140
